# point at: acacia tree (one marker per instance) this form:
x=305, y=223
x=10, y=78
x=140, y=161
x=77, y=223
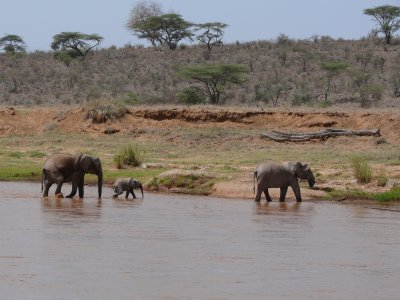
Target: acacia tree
x=388, y=17
x=12, y=43
x=166, y=29
x=215, y=77
x=75, y=44
x=332, y=69
x=138, y=16
x=211, y=34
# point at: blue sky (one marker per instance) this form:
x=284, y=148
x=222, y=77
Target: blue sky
x=36, y=21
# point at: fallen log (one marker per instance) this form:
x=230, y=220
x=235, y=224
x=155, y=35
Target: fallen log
x=280, y=136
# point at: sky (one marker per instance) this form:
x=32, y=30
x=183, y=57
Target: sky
x=37, y=21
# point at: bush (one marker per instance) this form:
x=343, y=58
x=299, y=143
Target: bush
x=370, y=94
x=382, y=179
x=129, y=155
x=131, y=99
x=191, y=96
x=362, y=169
x=101, y=111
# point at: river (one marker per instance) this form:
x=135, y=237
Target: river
x=185, y=247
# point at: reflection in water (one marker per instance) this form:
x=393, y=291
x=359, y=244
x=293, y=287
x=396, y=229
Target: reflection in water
x=271, y=208
x=178, y=247
x=74, y=206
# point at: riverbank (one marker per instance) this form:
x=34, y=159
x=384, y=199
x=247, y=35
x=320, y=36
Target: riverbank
x=224, y=142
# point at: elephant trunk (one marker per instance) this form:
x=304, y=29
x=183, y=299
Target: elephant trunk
x=100, y=182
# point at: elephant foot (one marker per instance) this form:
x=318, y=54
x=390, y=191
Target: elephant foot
x=59, y=195
x=115, y=196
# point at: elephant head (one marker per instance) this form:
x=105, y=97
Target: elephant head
x=90, y=165
x=302, y=171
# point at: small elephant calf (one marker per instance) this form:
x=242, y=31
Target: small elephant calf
x=126, y=184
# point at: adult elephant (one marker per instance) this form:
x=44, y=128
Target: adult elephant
x=271, y=174
x=60, y=168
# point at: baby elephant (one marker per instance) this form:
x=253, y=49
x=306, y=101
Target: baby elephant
x=126, y=184
x=270, y=174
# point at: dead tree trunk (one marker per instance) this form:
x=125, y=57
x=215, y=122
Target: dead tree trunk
x=323, y=135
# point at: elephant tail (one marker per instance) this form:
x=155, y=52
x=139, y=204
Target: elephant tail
x=43, y=178
x=254, y=182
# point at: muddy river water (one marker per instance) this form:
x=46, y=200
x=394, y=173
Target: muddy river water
x=180, y=247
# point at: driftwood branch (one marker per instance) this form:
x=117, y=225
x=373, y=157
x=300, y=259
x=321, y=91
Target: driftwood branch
x=280, y=136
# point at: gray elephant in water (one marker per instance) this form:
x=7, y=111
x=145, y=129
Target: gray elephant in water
x=271, y=174
x=126, y=184
x=60, y=168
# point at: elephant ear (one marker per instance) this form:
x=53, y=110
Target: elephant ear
x=85, y=163
x=77, y=165
x=297, y=168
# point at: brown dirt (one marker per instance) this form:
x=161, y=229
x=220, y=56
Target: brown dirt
x=72, y=120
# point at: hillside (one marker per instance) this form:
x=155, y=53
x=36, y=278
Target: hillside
x=148, y=75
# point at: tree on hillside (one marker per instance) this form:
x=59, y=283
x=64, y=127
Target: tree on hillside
x=166, y=29
x=138, y=16
x=304, y=56
x=75, y=44
x=388, y=17
x=332, y=69
x=12, y=44
x=215, y=77
x=211, y=34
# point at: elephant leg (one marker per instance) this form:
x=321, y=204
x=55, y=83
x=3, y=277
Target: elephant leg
x=47, y=186
x=133, y=194
x=267, y=196
x=258, y=195
x=80, y=187
x=127, y=194
x=296, y=191
x=283, y=194
x=74, y=180
x=58, y=189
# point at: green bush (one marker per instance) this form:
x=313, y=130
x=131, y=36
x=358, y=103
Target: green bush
x=128, y=155
x=362, y=169
x=191, y=96
x=131, y=99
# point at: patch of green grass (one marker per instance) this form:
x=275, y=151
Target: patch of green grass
x=16, y=154
x=392, y=195
x=37, y=154
x=20, y=173
x=348, y=194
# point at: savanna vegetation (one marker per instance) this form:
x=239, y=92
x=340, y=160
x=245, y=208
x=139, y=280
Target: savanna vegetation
x=190, y=64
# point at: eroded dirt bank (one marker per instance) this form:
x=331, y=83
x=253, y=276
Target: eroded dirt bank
x=33, y=121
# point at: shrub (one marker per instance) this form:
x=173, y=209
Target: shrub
x=370, y=94
x=191, y=96
x=382, y=178
x=131, y=99
x=362, y=169
x=101, y=111
x=129, y=155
